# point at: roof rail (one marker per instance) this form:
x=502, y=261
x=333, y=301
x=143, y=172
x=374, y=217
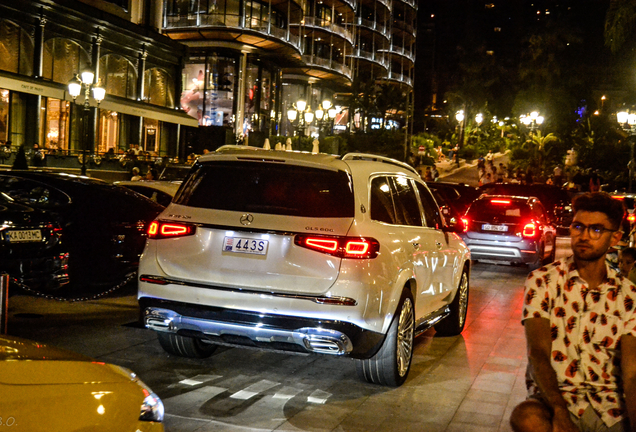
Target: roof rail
x=237, y=147
x=376, y=158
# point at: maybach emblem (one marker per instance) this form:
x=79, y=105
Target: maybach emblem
x=247, y=219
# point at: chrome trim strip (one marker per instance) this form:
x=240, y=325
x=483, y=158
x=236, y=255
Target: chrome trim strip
x=318, y=340
x=337, y=301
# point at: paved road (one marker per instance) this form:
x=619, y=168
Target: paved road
x=468, y=173
x=464, y=383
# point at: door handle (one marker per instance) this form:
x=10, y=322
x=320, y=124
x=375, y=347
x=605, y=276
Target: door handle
x=439, y=245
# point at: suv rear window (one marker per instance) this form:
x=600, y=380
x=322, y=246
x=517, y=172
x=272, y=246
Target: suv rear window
x=269, y=188
x=485, y=210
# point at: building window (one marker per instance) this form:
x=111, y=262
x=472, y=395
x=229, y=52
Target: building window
x=16, y=48
x=118, y=76
x=4, y=114
x=211, y=105
x=63, y=59
x=158, y=88
x=55, y=124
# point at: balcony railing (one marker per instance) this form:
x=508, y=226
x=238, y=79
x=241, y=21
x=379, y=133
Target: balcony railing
x=313, y=60
x=399, y=77
x=334, y=28
x=369, y=55
x=231, y=21
x=404, y=26
x=380, y=27
x=402, y=51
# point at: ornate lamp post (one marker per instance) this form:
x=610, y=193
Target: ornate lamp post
x=325, y=114
x=460, y=117
x=627, y=121
x=532, y=121
x=300, y=116
x=85, y=80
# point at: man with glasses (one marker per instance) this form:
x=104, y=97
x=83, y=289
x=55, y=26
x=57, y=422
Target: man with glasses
x=580, y=324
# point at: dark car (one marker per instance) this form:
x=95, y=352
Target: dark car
x=556, y=200
x=509, y=228
x=30, y=246
x=453, y=199
x=103, y=225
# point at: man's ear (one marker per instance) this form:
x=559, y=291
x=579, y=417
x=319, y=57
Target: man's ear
x=616, y=237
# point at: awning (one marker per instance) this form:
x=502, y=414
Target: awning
x=121, y=105
x=33, y=87
x=143, y=110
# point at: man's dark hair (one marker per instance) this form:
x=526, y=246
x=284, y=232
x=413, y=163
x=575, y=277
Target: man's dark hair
x=600, y=202
x=629, y=251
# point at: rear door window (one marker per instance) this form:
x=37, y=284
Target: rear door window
x=406, y=205
x=431, y=210
x=382, y=206
x=269, y=188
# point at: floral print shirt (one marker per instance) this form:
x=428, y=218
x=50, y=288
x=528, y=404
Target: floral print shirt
x=586, y=327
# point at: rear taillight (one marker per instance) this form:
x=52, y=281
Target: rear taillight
x=631, y=217
x=530, y=230
x=342, y=247
x=465, y=222
x=162, y=230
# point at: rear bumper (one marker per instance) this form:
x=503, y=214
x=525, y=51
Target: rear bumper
x=43, y=273
x=502, y=253
x=243, y=328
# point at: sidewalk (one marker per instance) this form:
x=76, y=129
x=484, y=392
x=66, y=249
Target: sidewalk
x=447, y=168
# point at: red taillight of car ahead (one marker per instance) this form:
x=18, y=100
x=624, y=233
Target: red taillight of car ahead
x=631, y=217
x=530, y=230
x=465, y=222
x=500, y=201
x=163, y=230
x=341, y=247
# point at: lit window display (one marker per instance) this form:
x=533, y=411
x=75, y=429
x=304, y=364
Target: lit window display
x=4, y=114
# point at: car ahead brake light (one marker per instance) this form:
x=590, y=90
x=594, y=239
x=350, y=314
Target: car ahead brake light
x=529, y=230
x=162, y=230
x=631, y=217
x=465, y=222
x=341, y=247
x=500, y=201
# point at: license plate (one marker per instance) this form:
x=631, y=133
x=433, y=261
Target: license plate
x=500, y=228
x=245, y=245
x=20, y=236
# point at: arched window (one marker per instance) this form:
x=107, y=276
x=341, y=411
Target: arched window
x=158, y=88
x=63, y=58
x=16, y=49
x=118, y=76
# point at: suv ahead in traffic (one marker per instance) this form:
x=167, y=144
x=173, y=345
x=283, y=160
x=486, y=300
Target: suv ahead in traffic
x=311, y=253
x=555, y=200
x=509, y=228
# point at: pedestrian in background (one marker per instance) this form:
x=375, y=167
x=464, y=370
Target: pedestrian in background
x=135, y=174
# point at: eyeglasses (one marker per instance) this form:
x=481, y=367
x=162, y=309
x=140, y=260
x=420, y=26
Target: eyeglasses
x=594, y=231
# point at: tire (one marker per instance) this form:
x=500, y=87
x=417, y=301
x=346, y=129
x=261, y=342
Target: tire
x=184, y=346
x=540, y=258
x=454, y=324
x=552, y=256
x=391, y=364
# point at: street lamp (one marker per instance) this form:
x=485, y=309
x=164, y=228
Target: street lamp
x=459, y=116
x=325, y=114
x=75, y=89
x=627, y=121
x=532, y=121
x=300, y=116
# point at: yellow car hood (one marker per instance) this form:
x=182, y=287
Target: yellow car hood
x=49, y=389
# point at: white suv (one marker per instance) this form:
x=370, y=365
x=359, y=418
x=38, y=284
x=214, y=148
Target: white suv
x=302, y=252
